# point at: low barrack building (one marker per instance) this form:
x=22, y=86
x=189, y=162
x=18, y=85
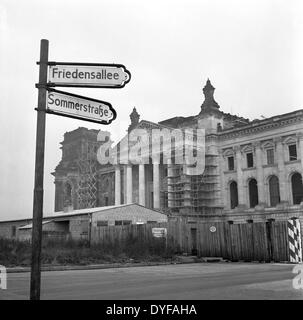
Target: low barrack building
x=78, y=224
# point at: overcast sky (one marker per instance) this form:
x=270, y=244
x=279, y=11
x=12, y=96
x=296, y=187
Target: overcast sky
x=250, y=50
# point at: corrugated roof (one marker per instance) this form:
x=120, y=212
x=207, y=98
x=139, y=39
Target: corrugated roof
x=92, y=210
x=29, y=226
x=62, y=214
x=131, y=210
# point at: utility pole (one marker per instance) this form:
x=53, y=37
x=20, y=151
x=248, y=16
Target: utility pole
x=39, y=173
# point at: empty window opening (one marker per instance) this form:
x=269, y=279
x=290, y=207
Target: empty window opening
x=297, y=188
x=274, y=192
x=233, y=195
x=250, y=160
x=292, y=152
x=253, y=193
x=270, y=156
x=231, y=163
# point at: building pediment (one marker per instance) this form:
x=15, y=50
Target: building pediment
x=290, y=140
x=269, y=144
x=247, y=148
x=228, y=152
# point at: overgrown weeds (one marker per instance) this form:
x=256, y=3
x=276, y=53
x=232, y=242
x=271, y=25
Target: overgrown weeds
x=79, y=252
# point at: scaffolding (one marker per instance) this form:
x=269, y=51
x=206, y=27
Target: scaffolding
x=87, y=178
x=195, y=193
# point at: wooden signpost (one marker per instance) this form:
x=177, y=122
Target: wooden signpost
x=65, y=74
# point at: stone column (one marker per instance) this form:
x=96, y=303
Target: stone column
x=129, y=184
x=142, y=184
x=224, y=198
x=117, y=186
x=281, y=169
x=300, y=138
x=240, y=184
x=156, y=185
x=260, y=174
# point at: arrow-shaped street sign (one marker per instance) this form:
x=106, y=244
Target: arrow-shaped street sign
x=79, y=107
x=95, y=75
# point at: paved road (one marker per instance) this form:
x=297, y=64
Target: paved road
x=187, y=281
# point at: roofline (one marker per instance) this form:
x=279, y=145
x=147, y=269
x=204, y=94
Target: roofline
x=16, y=220
x=84, y=213
x=258, y=123
x=30, y=225
x=158, y=124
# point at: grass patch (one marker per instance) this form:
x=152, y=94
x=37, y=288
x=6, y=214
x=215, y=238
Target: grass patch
x=76, y=252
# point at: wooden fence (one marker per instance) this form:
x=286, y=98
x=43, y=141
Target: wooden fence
x=116, y=234
x=261, y=241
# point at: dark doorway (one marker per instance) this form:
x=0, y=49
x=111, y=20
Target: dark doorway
x=253, y=193
x=297, y=188
x=274, y=192
x=193, y=235
x=233, y=188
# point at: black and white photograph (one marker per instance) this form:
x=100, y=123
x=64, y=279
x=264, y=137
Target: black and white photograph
x=151, y=153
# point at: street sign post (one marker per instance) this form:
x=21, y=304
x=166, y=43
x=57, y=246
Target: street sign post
x=79, y=107
x=94, y=75
x=39, y=172
x=65, y=74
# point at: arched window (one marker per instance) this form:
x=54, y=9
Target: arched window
x=253, y=193
x=233, y=189
x=274, y=192
x=297, y=188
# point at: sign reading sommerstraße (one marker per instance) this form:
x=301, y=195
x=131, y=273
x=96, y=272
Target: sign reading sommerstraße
x=79, y=107
x=70, y=74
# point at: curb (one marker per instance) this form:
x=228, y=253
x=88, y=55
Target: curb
x=97, y=266
x=126, y=265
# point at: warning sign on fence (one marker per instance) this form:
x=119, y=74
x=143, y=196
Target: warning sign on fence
x=212, y=229
x=159, y=232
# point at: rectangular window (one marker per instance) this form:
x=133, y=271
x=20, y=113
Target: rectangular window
x=102, y=223
x=118, y=223
x=292, y=152
x=250, y=160
x=126, y=222
x=270, y=156
x=231, y=163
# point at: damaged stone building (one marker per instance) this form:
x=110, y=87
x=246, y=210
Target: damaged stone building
x=253, y=169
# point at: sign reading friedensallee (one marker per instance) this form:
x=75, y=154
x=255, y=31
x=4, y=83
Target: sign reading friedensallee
x=68, y=74
x=79, y=107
